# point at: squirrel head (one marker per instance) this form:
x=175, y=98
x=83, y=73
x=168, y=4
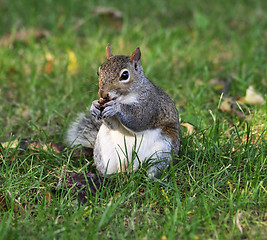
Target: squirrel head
x=120, y=74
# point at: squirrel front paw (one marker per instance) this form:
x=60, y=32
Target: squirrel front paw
x=96, y=110
x=111, y=108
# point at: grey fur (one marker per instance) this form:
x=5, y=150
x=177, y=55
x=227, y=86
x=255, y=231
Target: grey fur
x=83, y=131
x=152, y=109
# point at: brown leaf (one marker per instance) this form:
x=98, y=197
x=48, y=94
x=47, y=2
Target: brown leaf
x=48, y=197
x=23, y=35
x=26, y=144
x=49, y=62
x=229, y=105
x=81, y=183
x=107, y=11
x=48, y=67
x=109, y=17
x=189, y=127
x=226, y=105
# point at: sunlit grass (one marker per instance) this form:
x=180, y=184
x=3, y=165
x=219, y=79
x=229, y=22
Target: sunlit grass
x=217, y=190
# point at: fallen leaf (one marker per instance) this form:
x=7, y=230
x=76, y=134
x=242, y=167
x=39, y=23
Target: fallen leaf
x=107, y=11
x=48, y=197
x=229, y=105
x=237, y=220
x=110, y=17
x=24, y=112
x=230, y=185
x=49, y=62
x=141, y=191
x=252, y=97
x=165, y=194
x=189, y=127
x=11, y=144
x=72, y=64
x=190, y=212
x=226, y=105
x=23, y=35
x=79, y=182
x=222, y=85
x=26, y=144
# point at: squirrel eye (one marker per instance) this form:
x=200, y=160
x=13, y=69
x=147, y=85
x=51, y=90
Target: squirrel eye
x=97, y=73
x=125, y=75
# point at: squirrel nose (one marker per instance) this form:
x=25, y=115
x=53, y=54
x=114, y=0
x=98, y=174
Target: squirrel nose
x=102, y=93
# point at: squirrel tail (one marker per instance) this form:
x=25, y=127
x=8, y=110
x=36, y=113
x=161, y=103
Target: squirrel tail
x=83, y=131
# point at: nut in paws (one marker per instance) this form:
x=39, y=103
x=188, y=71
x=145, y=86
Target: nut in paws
x=96, y=110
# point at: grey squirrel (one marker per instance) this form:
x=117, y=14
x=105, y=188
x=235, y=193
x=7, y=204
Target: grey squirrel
x=133, y=121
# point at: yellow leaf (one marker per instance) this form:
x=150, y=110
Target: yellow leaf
x=72, y=65
x=165, y=194
x=230, y=185
x=190, y=212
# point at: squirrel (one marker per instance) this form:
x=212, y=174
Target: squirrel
x=133, y=121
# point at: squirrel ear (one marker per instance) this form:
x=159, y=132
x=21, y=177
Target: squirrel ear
x=136, y=55
x=108, y=52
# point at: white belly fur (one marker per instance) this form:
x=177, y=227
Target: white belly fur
x=113, y=150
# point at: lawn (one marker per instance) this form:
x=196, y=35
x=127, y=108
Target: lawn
x=209, y=56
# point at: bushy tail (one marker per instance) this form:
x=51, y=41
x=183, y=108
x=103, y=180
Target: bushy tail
x=83, y=131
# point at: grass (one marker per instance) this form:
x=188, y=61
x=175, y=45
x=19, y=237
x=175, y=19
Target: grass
x=217, y=190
